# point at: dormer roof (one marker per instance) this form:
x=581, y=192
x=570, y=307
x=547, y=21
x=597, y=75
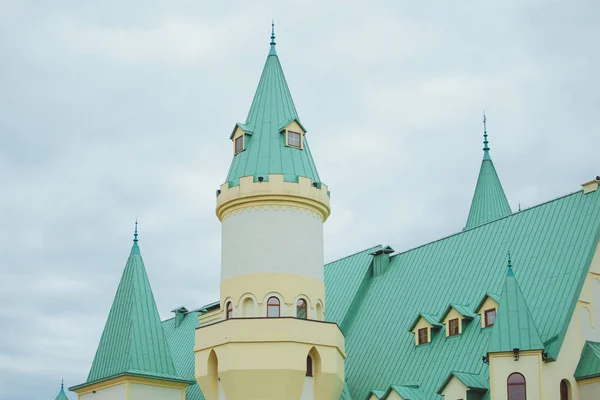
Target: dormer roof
x=465, y=311
x=429, y=318
x=492, y=296
x=475, y=382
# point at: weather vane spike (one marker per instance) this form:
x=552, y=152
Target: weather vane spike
x=273, y=32
x=509, y=260
x=135, y=234
x=62, y=383
x=486, y=146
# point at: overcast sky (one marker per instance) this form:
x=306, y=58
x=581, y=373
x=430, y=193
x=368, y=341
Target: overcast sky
x=114, y=110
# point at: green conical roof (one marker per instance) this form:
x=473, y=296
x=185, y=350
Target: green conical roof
x=265, y=151
x=514, y=327
x=133, y=341
x=61, y=394
x=489, y=201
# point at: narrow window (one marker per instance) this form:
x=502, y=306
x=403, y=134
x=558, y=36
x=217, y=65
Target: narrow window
x=423, y=336
x=293, y=139
x=301, y=308
x=229, y=312
x=239, y=144
x=273, y=307
x=516, y=387
x=453, y=327
x=564, y=390
x=490, y=317
x=309, y=366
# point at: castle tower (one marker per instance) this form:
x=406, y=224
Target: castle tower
x=272, y=341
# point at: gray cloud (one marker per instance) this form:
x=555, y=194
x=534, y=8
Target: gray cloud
x=115, y=111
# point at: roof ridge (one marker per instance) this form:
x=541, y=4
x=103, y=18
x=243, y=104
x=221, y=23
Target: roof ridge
x=486, y=223
x=353, y=254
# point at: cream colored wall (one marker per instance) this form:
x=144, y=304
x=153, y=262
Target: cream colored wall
x=272, y=240
x=288, y=288
x=394, y=396
x=455, y=390
x=453, y=314
x=209, y=317
x=590, y=391
x=529, y=365
x=373, y=397
x=139, y=391
x=117, y=392
x=488, y=304
x=420, y=325
x=308, y=390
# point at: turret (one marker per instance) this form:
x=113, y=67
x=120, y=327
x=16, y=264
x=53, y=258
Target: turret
x=272, y=341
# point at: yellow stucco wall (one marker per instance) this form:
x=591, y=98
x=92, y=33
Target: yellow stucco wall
x=454, y=390
x=590, y=390
x=529, y=365
x=259, y=287
x=266, y=358
x=133, y=388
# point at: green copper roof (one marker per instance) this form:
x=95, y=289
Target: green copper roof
x=265, y=151
x=489, y=201
x=589, y=363
x=514, y=326
x=408, y=392
x=553, y=243
x=471, y=381
x=133, y=341
x=61, y=394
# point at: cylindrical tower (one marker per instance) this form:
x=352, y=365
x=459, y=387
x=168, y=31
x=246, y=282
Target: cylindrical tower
x=272, y=341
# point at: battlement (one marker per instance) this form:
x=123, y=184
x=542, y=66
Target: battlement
x=274, y=191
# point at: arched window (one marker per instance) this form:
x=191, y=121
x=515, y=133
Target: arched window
x=516, y=387
x=301, y=308
x=229, y=312
x=309, y=366
x=319, y=310
x=248, y=307
x=273, y=307
x=564, y=390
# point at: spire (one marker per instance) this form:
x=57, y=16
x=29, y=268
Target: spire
x=272, y=51
x=133, y=341
x=272, y=110
x=514, y=327
x=61, y=395
x=135, y=250
x=489, y=201
x=486, y=147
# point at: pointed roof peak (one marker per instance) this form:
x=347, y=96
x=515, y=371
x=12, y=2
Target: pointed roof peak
x=514, y=327
x=61, y=395
x=489, y=201
x=135, y=249
x=272, y=51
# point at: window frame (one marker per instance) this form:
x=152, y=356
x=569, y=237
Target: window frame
x=450, y=322
x=304, y=306
x=419, y=331
x=508, y=385
x=239, y=139
x=228, y=310
x=485, y=317
x=566, y=393
x=287, y=139
x=272, y=306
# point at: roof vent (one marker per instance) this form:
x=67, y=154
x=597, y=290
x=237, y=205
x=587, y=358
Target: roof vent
x=381, y=260
x=591, y=186
x=179, y=315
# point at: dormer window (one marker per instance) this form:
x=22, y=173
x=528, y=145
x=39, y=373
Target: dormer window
x=294, y=139
x=453, y=329
x=490, y=317
x=487, y=308
x=239, y=144
x=423, y=335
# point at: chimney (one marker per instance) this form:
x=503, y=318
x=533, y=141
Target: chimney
x=179, y=315
x=591, y=186
x=381, y=260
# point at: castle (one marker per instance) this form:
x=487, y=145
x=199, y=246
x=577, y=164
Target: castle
x=506, y=308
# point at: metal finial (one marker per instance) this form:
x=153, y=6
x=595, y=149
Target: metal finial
x=273, y=32
x=135, y=234
x=486, y=146
x=62, y=384
x=519, y=206
x=509, y=261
